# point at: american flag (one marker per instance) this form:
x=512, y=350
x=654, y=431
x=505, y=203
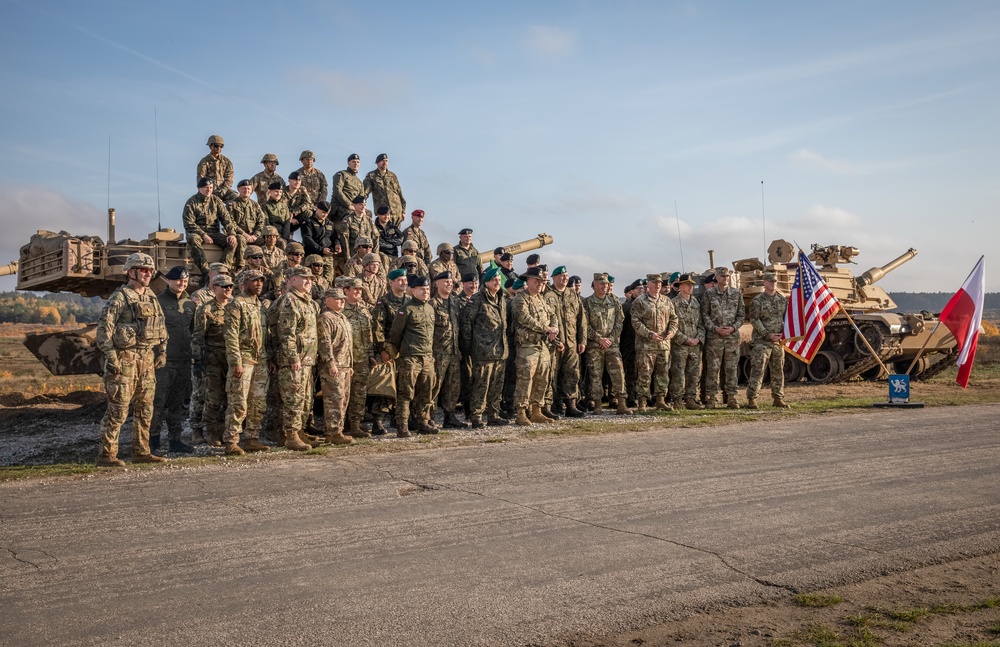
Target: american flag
x=810, y=306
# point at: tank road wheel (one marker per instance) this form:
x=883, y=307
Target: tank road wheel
x=875, y=374
x=795, y=369
x=874, y=335
x=825, y=366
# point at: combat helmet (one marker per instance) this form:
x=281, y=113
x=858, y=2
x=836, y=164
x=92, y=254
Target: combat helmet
x=269, y=157
x=138, y=259
x=216, y=139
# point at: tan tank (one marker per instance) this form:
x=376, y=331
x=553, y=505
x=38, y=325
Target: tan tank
x=88, y=266
x=896, y=337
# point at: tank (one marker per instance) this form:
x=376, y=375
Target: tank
x=895, y=337
x=89, y=266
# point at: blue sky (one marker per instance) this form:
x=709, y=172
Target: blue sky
x=869, y=124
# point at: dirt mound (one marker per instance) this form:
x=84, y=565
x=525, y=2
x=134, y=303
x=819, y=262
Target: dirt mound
x=82, y=398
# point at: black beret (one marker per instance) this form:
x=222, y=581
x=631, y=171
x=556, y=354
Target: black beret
x=532, y=272
x=416, y=281
x=575, y=280
x=498, y=250
x=244, y=183
x=381, y=156
x=203, y=182
x=294, y=175
x=532, y=259
x=465, y=231
x=274, y=186
x=323, y=205
x=353, y=156
x=359, y=199
x=710, y=279
x=177, y=272
x=469, y=276
x=443, y=275
x=381, y=211
x=506, y=256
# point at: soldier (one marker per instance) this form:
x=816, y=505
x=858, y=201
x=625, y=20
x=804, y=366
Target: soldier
x=219, y=169
x=686, y=351
x=273, y=247
x=565, y=381
x=359, y=223
x=466, y=254
x=409, y=258
x=336, y=358
x=245, y=335
x=200, y=297
x=655, y=324
x=173, y=380
x=276, y=210
x=207, y=221
x=484, y=341
x=445, y=262
x=294, y=255
x=447, y=356
x=470, y=286
x=362, y=358
x=356, y=264
x=416, y=233
x=346, y=186
x=208, y=345
x=604, y=328
x=767, y=316
x=411, y=340
x=722, y=316
x=248, y=219
x=506, y=265
x=300, y=206
x=536, y=329
x=389, y=235
x=383, y=186
x=627, y=343
x=255, y=261
x=133, y=338
x=313, y=180
x=262, y=181
x=296, y=356
x=374, y=282
x=319, y=284
x=319, y=236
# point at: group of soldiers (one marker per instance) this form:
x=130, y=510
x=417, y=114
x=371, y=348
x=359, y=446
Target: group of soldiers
x=297, y=344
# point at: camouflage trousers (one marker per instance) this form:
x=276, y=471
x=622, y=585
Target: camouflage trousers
x=447, y=381
x=651, y=367
x=197, y=402
x=465, y=374
x=719, y=351
x=213, y=386
x=296, y=389
x=271, y=427
x=509, y=379
x=247, y=395
x=564, y=382
x=135, y=385
x=533, y=366
x=598, y=360
x=772, y=355
x=685, y=371
x=173, y=390
x=229, y=255
x=487, y=388
x=358, y=392
x=414, y=381
x=629, y=362
x=336, y=395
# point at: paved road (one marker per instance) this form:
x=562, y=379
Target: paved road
x=497, y=544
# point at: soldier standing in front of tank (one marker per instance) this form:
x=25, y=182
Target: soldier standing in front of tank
x=262, y=181
x=336, y=352
x=248, y=218
x=362, y=358
x=627, y=343
x=445, y=262
x=722, y=315
x=383, y=186
x=219, y=169
x=655, y=324
x=207, y=221
x=201, y=296
x=319, y=236
x=274, y=253
x=604, y=329
x=208, y=345
x=173, y=380
x=686, y=351
x=447, y=356
x=133, y=338
x=411, y=339
x=296, y=356
x=275, y=209
x=470, y=287
x=767, y=316
x=389, y=236
x=484, y=342
x=359, y=225
x=536, y=329
x=565, y=381
x=313, y=180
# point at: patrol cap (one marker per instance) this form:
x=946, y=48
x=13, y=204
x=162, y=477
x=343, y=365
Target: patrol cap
x=307, y=155
x=358, y=199
x=506, y=256
x=221, y=268
x=381, y=156
x=333, y=293
x=222, y=281
x=270, y=230
x=203, y=182
x=341, y=281
x=269, y=157
x=298, y=271
x=294, y=175
x=176, y=273
x=533, y=273
x=370, y=258
x=518, y=284
x=686, y=278
x=362, y=241
x=722, y=271
x=490, y=274
x=445, y=247
x=313, y=259
x=470, y=277
x=409, y=245
x=381, y=211
x=498, y=250
x=443, y=275
x=575, y=280
x=559, y=270
x=244, y=183
x=770, y=277
x=249, y=275
x=416, y=281
x=322, y=205
x=275, y=186
x=465, y=231
x=295, y=247
x=654, y=278
x=396, y=273
x=532, y=259
x=353, y=156
x=417, y=213
x=601, y=277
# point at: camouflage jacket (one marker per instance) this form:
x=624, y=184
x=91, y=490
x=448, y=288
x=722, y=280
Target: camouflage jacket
x=219, y=170
x=346, y=186
x=767, y=315
x=420, y=238
x=689, y=323
x=245, y=331
x=650, y=316
x=373, y=290
x=206, y=215
x=721, y=309
x=178, y=317
x=437, y=266
x=131, y=321
x=604, y=319
x=314, y=182
x=248, y=218
x=300, y=206
x=382, y=318
x=468, y=260
x=296, y=329
x=319, y=286
x=361, y=226
x=209, y=329
x=484, y=327
x=533, y=315
x=361, y=331
x=412, y=332
x=262, y=180
x=336, y=340
x=570, y=319
x=276, y=212
x=273, y=257
x=419, y=268
x=385, y=191
x=446, y=330
x=201, y=296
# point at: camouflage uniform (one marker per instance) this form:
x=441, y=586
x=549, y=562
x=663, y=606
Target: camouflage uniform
x=200, y=297
x=374, y=288
x=533, y=364
x=297, y=343
x=685, y=360
x=273, y=407
x=604, y=319
x=627, y=348
x=420, y=238
x=361, y=227
x=220, y=171
x=385, y=191
x=264, y=179
x=361, y=354
x=314, y=182
x=248, y=218
x=467, y=260
x=300, y=207
x=336, y=348
x=130, y=332
x=346, y=186
x=767, y=316
x=483, y=340
x=209, y=349
x=245, y=336
x=652, y=358
x=447, y=357
x=412, y=339
x=465, y=367
x=273, y=257
x=404, y=260
x=278, y=216
x=173, y=380
x=572, y=324
x=721, y=309
x=206, y=215
x=438, y=265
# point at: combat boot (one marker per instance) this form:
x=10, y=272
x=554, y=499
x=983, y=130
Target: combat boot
x=154, y=444
x=712, y=403
x=309, y=439
x=451, y=421
x=292, y=442
x=521, y=417
x=781, y=404
x=498, y=422
x=148, y=458
x=197, y=437
x=733, y=403
x=232, y=449
x=613, y=403
x=378, y=429
x=252, y=445
x=640, y=404
x=660, y=403
x=426, y=427
x=558, y=408
x=623, y=409
x=548, y=413
x=402, y=431
x=107, y=460
x=752, y=402
x=213, y=438
x=572, y=411
x=693, y=404
x=538, y=416
x=338, y=439
x=354, y=430
x=477, y=423
x=177, y=447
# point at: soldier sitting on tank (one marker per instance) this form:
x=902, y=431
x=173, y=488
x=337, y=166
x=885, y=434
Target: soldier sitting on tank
x=219, y=169
x=207, y=221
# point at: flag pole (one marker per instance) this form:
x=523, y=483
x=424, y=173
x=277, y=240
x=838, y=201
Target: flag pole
x=923, y=348
x=863, y=338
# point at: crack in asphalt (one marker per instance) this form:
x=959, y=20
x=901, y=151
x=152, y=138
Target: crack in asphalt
x=23, y=561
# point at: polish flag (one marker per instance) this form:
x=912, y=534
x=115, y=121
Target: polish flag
x=963, y=316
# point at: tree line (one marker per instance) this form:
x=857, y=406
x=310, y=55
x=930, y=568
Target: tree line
x=53, y=308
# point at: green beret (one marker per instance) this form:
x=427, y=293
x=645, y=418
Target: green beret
x=559, y=270
x=490, y=274
x=519, y=284
x=395, y=274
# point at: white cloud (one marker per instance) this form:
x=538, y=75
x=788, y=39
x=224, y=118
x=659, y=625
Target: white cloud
x=550, y=42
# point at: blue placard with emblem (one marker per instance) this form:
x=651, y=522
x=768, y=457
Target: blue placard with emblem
x=899, y=388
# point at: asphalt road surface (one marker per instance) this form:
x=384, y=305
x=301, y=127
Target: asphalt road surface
x=496, y=544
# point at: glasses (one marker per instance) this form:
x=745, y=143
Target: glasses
x=317, y=265
x=256, y=258
x=364, y=246
x=144, y=270
x=217, y=145
x=293, y=254
x=226, y=287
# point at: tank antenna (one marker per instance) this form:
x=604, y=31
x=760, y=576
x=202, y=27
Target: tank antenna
x=109, y=170
x=156, y=144
x=677, y=219
x=763, y=219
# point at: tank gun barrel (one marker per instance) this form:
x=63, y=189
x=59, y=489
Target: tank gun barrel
x=8, y=269
x=539, y=241
x=876, y=274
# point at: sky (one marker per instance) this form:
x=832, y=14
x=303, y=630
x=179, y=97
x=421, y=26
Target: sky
x=638, y=134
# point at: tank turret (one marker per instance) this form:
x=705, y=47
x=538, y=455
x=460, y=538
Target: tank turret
x=539, y=241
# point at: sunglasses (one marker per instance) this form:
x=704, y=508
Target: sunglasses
x=217, y=146
x=256, y=258
x=294, y=254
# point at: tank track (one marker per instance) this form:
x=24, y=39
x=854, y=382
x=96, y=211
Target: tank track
x=939, y=366
x=889, y=348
